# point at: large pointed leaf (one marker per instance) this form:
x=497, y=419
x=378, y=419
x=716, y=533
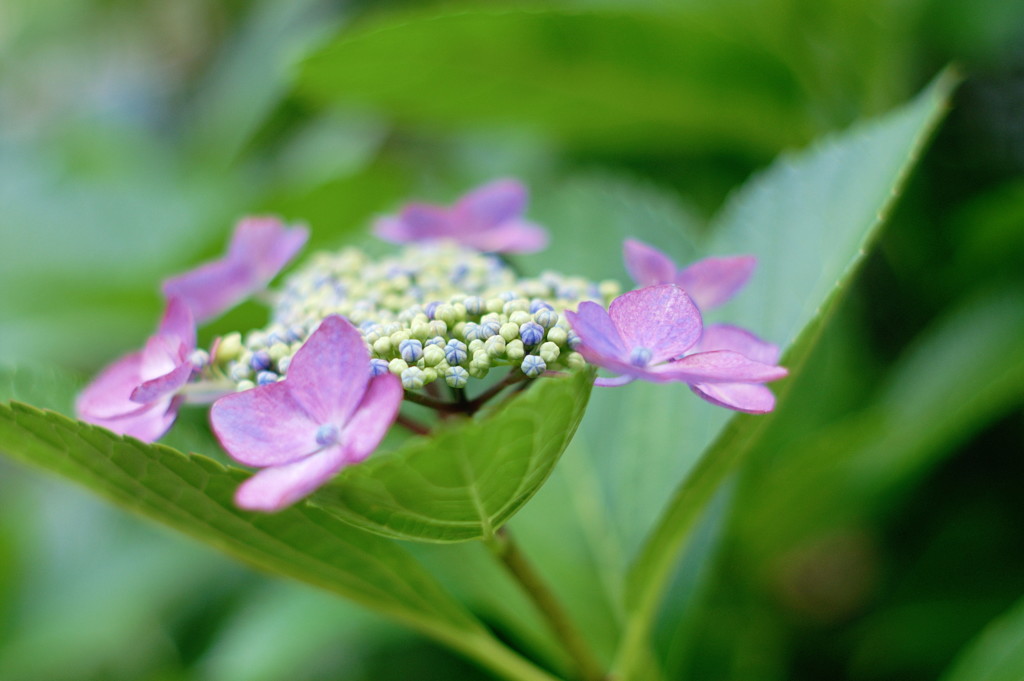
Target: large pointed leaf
x=809, y=220
x=996, y=655
x=464, y=482
x=194, y=494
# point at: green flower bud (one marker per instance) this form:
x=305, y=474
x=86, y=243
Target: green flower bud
x=557, y=335
x=445, y=313
x=495, y=346
x=609, y=289
x=520, y=317
x=421, y=331
x=229, y=348
x=244, y=385
x=575, y=361
x=517, y=305
x=429, y=375
x=397, y=366
x=495, y=305
x=398, y=336
x=277, y=351
x=433, y=355
x=509, y=331
x=481, y=358
x=548, y=352
x=412, y=378
x=382, y=347
x=475, y=345
x=515, y=350
x=438, y=327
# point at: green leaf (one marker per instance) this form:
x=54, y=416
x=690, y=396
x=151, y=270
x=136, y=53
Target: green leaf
x=601, y=78
x=809, y=219
x=464, y=482
x=194, y=494
x=996, y=655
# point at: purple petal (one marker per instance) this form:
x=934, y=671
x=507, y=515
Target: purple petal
x=259, y=248
x=147, y=425
x=275, y=488
x=265, y=245
x=212, y=288
x=727, y=337
x=647, y=265
x=661, y=319
x=163, y=385
x=328, y=375
x=372, y=417
x=599, y=338
x=416, y=222
x=264, y=426
x=749, y=397
x=720, y=366
x=490, y=205
x=108, y=396
x=516, y=236
x=712, y=281
x=178, y=323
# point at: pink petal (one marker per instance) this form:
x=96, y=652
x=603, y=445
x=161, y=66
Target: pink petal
x=749, y=397
x=516, y=236
x=147, y=425
x=178, y=323
x=423, y=221
x=720, y=366
x=329, y=373
x=490, y=205
x=275, y=488
x=259, y=248
x=600, y=339
x=372, y=417
x=727, y=337
x=713, y=281
x=647, y=265
x=264, y=426
x=266, y=245
x=212, y=288
x=109, y=394
x=163, y=385
x=660, y=318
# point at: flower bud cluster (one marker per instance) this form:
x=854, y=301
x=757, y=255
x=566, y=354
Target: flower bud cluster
x=433, y=312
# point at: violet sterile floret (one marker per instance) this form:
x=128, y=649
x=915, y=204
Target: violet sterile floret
x=709, y=282
x=137, y=394
x=655, y=334
x=489, y=219
x=260, y=247
x=326, y=414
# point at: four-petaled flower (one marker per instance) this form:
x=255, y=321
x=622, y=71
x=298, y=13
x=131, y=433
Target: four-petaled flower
x=655, y=334
x=709, y=282
x=137, y=394
x=489, y=219
x=259, y=248
x=326, y=414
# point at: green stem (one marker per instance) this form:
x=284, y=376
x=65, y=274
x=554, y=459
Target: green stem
x=508, y=552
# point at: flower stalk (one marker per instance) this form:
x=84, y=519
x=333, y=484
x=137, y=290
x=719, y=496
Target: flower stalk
x=506, y=550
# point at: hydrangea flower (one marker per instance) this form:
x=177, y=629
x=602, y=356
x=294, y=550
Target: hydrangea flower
x=326, y=414
x=260, y=247
x=655, y=334
x=137, y=394
x=489, y=218
x=709, y=282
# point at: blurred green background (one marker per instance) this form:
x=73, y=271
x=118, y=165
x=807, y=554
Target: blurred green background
x=875, y=537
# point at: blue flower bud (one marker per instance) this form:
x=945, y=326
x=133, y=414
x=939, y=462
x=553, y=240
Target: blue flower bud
x=474, y=305
x=489, y=328
x=431, y=308
x=327, y=435
x=266, y=378
x=378, y=367
x=531, y=333
x=411, y=350
x=473, y=332
x=536, y=305
x=436, y=340
x=533, y=366
x=573, y=340
x=455, y=352
x=456, y=377
x=260, y=361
